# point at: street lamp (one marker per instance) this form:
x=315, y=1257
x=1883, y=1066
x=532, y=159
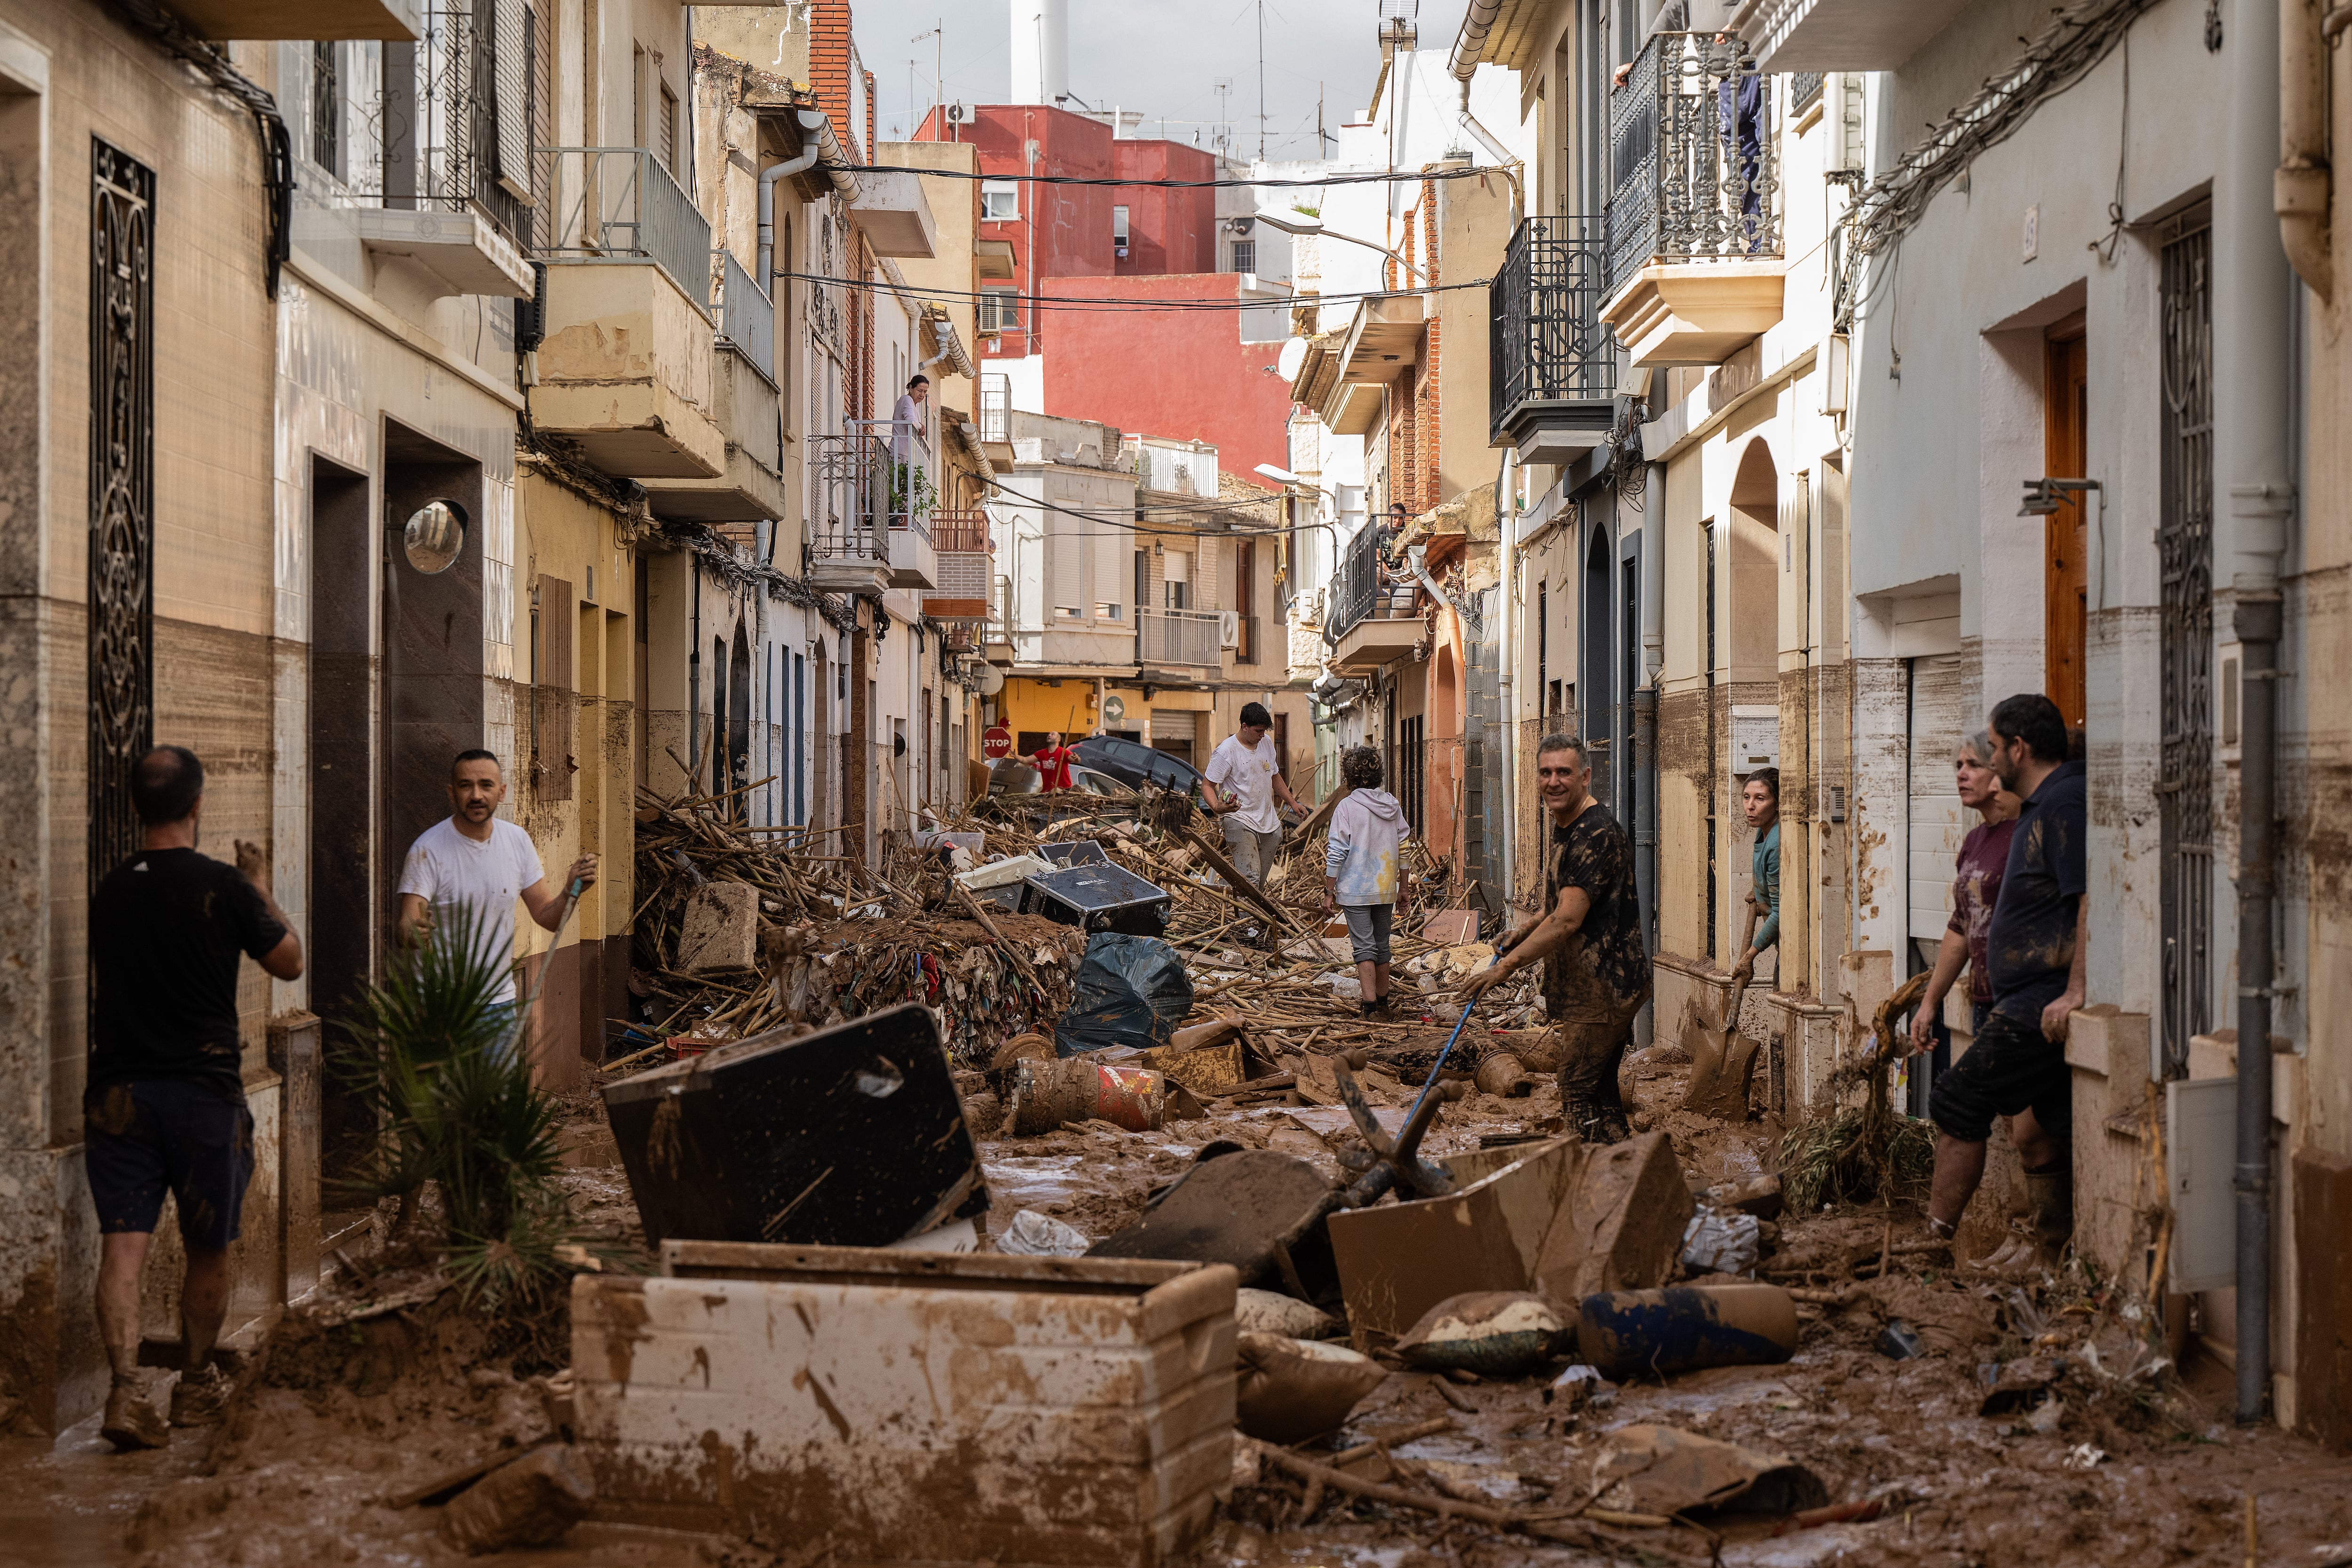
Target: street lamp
x=1299, y=224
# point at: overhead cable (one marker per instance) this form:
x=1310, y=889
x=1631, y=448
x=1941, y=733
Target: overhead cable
x=1111, y=302
x=1391, y=176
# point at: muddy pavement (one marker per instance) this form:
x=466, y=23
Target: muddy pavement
x=2098, y=1463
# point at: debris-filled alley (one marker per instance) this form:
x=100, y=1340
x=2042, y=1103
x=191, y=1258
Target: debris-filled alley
x=1170, y=1269
x=1448, y=782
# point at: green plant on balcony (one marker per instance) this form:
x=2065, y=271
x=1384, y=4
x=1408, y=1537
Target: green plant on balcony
x=912, y=494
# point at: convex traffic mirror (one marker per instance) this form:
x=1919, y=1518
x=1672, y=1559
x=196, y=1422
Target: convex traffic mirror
x=434, y=537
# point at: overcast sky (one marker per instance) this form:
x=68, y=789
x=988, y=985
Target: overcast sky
x=1161, y=56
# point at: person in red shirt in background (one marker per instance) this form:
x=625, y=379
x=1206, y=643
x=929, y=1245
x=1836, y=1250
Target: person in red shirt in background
x=1052, y=761
x=1976, y=888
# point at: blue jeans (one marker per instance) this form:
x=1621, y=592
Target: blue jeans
x=508, y=1016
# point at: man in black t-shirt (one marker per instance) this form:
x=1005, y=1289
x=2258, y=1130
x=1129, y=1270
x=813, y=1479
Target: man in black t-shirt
x=165, y=1105
x=1596, y=969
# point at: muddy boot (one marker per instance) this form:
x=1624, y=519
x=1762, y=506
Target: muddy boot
x=199, y=1397
x=132, y=1422
x=2052, y=1193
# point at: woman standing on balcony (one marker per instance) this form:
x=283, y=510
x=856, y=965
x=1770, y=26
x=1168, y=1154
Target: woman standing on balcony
x=911, y=430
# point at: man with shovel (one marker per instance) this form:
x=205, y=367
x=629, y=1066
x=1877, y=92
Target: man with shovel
x=473, y=859
x=1589, y=940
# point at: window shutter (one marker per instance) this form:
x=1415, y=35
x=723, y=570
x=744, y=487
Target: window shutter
x=1226, y=597
x=1069, y=564
x=510, y=80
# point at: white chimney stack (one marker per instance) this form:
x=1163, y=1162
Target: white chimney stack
x=1041, y=51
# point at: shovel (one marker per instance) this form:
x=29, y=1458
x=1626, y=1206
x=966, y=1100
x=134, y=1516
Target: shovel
x=1721, y=1065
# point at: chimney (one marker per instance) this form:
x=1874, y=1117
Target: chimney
x=1041, y=51
x=828, y=26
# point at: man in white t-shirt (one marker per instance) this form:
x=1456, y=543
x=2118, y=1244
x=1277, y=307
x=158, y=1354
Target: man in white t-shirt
x=472, y=859
x=1244, y=777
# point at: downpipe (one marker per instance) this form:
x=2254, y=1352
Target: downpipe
x=1507, y=509
x=1645, y=699
x=812, y=124
x=2301, y=184
x=2252, y=340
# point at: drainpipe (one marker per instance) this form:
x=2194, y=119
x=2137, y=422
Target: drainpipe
x=1645, y=698
x=2300, y=183
x=1502, y=155
x=811, y=146
x=1506, y=510
x=2252, y=343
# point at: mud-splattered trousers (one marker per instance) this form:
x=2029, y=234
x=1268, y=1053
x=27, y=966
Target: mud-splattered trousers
x=1593, y=1024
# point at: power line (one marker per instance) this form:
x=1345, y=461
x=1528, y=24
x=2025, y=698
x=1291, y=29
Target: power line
x=1389, y=177
x=1081, y=302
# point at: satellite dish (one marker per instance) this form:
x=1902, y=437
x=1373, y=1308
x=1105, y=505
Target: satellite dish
x=1294, y=354
x=991, y=681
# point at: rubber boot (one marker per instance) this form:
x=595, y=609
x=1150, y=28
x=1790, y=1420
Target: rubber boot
x=2052, y=1193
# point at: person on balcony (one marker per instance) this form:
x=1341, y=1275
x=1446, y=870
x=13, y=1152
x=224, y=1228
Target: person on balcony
x=910, y=428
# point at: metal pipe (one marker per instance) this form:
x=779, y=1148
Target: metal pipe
x=812, y=145
x=2301, y=182
x=2252, y=350
x=1645, y=698
x=1506, y=510
x=1470, y=42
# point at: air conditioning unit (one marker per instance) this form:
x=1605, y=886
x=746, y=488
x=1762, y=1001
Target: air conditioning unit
x=1229, y=628
x=958, y=114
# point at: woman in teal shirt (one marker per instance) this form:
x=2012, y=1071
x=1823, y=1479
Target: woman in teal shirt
x=1759, y=798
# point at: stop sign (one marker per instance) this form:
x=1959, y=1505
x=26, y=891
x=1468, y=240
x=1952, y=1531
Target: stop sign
x=996, y=742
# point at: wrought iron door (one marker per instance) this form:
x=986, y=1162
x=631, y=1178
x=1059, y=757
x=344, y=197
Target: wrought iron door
x=2184, y=540
x=121, y=496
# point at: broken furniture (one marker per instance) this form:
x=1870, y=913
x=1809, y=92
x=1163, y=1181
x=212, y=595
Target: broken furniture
x=1096, y=897
x=1563, y=1218
x=908, y=1406
x=1256, y=1210
x=848, y=1136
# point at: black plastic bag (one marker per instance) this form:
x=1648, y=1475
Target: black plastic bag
x=1130, y=991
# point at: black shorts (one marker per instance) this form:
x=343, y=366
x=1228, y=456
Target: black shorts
x=142, y=1139
x=2008, y=1067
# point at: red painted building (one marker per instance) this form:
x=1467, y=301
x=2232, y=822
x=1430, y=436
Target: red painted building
x=1181, y=372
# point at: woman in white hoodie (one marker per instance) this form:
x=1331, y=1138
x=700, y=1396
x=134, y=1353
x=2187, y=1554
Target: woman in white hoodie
x=1360, y=870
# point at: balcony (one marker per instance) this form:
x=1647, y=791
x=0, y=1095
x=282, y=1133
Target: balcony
x=1383, y=342
x=995, y=421
x=871, y=530
x=896, y=220
x=626, y=363
x=1840, y=35
x=1551, y=367
x=320, y=21
x=1186, y=641
x=961, y=542
x=743, y=380
x=1694, y=224
x=456, y=252
x=1373, y=622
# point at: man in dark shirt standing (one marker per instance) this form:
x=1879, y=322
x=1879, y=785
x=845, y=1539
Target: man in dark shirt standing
x=164, y=1106
x=1589, y=938
x=2035, y=952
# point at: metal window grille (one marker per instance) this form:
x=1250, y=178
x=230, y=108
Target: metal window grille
x=121, y=496
x=995, y=409
x=326, y=108
x=1000, y=310
x=1547, y=342
x=1804, y=91
x=1691, y=148
x=2184, y=540
x=1245, y=255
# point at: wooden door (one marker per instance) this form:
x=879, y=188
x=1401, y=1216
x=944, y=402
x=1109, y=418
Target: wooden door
x=2066, y=575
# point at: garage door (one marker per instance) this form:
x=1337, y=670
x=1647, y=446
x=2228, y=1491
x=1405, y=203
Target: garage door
x=1938, y=722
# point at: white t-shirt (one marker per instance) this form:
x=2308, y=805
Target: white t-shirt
x=1248, y=774
x=448, y=871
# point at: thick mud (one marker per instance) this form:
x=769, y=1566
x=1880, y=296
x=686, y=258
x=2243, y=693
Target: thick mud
x=2116, y=1466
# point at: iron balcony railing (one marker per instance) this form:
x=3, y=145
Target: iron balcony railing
x=1357, y=589
x=1691, y=153
x=618, y=203
x=995, y=409
x=747, y=317
x=871, y=481
x=1164, y=637
x=1546, y=342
